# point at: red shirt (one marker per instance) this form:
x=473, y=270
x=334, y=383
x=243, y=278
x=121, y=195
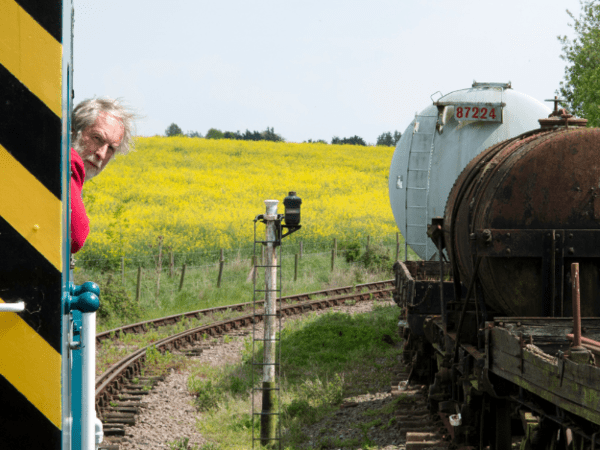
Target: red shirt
x=80, y=224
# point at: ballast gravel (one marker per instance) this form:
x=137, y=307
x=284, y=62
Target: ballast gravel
x=168, y=414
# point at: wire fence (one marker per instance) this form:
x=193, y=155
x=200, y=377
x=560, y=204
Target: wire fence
x=166, y=258
x=233, y=269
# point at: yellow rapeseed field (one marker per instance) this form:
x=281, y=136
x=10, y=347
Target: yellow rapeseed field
x=203, y=195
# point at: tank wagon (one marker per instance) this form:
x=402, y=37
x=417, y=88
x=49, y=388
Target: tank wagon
x=495, y=325
x=47, y=329
x=440, y=142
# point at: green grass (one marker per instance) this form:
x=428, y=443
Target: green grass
x=325, y=359
x=118, y=305
x=183, y=444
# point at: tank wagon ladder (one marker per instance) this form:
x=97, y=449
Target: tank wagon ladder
x=418, y=178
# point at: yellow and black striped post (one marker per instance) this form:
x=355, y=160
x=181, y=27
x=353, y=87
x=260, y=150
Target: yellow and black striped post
x=34, y=110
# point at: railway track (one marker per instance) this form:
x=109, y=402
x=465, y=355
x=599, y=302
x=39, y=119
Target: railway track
x=118, y=397
x=141, y=327
x=420, y=429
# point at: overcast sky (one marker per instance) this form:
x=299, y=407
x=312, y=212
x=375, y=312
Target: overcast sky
x=309, y=69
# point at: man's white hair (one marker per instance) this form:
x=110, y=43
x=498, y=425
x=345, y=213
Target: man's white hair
x=86, y=113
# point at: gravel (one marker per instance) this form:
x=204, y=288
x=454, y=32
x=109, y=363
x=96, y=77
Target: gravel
x=169, y=414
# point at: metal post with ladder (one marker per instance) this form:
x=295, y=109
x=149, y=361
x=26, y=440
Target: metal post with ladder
x=269, y=289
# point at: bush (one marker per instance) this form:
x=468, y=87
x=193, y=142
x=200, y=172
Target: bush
x=115, y=303
x=173, y=130
x=352, y=251
x=376, y=258
x=330, y=392
x=232, y=135
x=354, y=140
x=388, y=139
x=213, y=133
x=267, y=135
x=242, y=422
x=298, y=408
x=207, y=394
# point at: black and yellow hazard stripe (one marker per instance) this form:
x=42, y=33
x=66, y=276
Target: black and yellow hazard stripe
x=30, y=222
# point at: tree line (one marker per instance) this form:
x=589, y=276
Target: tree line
x=386, y=139
x=579, y=90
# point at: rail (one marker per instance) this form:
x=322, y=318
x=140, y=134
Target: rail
x=169, y=320
x=110, y=382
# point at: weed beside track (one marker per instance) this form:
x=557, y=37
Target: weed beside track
x=329, y=360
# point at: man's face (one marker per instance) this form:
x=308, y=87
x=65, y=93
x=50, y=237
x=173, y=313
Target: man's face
x=98, y=143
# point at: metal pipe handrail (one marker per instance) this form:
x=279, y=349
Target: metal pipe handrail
x=12, y=307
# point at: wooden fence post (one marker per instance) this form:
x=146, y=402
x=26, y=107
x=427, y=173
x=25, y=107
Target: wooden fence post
x=332, y=259
x=295, y=266
x=158, y=267
x=138, y=288
x=171, y=264
x=300, y=249
x=221, y=263
x=182, y=277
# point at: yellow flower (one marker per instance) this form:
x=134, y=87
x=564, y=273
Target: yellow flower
x=203, y=195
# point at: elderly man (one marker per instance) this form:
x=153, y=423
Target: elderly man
x=100, y=128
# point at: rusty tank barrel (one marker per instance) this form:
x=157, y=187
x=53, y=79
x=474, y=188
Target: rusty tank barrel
x=530, y=206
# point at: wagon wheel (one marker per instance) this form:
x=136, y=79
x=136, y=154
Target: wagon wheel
x=502, y=439
x=574, y=441
x=548, y=436
x=495, y=424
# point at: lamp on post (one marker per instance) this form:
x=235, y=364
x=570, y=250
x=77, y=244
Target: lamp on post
x=292, y=213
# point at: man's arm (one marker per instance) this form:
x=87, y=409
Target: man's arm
x=80, y=224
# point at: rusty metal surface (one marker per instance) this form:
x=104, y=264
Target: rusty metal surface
x=418, y=290
x=561, y=118
x=546, y=180
x=585, y=340
x=456, y=214
x=576, y=306
x=414, y=276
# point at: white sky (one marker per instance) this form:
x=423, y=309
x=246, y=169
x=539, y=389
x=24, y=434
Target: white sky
x=311, y=69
